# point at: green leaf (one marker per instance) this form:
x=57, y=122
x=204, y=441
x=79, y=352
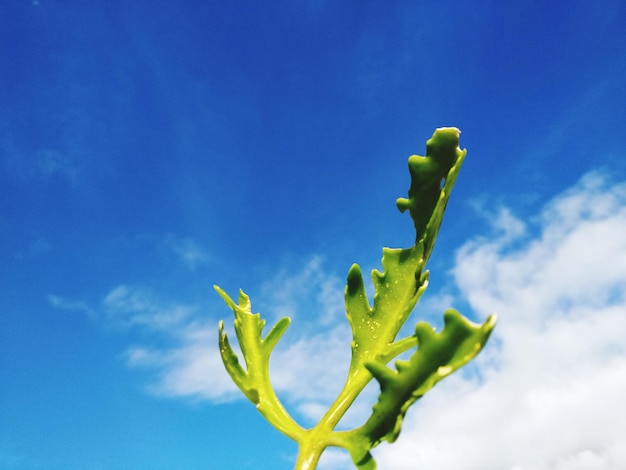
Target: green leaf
x=254, y=380
x=432, y=179
x=437, y=356
x=397, y=290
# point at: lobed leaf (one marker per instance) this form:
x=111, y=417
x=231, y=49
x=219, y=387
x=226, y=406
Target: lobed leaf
x=432, y=179
x=397, y=290
x=403, y=279
x=254, y=380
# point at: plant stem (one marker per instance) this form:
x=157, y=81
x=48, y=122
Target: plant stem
x=308, y=456
x=316, y=439
x=313, y=442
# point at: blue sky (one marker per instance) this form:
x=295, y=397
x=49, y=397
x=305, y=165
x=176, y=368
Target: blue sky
x=149, y=150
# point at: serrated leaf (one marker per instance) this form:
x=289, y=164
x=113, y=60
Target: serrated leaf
x=254, y=381
x=397, y=290
x=437, y=356
x=432, y=176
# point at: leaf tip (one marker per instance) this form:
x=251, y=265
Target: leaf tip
x=355, y=280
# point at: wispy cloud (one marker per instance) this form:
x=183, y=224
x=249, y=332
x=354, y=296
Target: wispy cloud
x=52, y=162
x=129, y=306
x=173, y=343
x=190, y=365
x=192, y=369
x=551, y=392
x=190, y=253
x=26, y=164
x=306, y=292
x=71, y=305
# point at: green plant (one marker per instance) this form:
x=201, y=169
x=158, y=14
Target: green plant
x=374, y=328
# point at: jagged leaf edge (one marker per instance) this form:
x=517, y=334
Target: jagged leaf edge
x=374, y=328
x=248, y=329
x=400, y=396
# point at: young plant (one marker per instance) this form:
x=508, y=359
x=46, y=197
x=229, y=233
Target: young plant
x=374, y=328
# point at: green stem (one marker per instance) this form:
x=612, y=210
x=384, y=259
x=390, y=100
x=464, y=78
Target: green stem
x=316, y=439
x=313, y=442
x=308, y=456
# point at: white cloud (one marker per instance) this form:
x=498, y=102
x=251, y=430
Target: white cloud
x=189, y=253
x=554, y=375
x=192, y=369
x=335, y=459
x=44, y=163
x=132, y=306
x=63, y=303
x=307, y=294
x=191, y=365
